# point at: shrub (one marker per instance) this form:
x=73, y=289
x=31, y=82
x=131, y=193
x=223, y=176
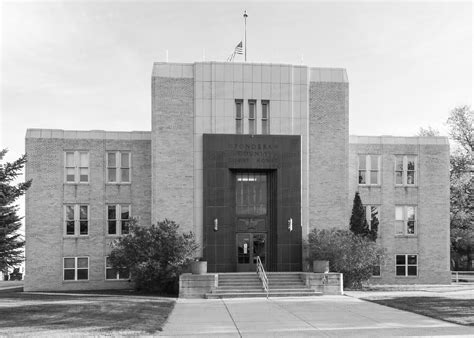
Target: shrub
x=155, y=255
x=354, y=256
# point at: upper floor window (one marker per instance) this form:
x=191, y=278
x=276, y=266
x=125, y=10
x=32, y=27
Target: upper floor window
x=239, y=117
x=265, y=117
x=76, y=268
x=252, y=117
x=76, y=166
x=369, y=169
x=405, y=170
x=406, y=265
x=372, y=216
x=118, y=219
x=405, y=218
x=76, y=219
x=111, y=273
x=118, y=167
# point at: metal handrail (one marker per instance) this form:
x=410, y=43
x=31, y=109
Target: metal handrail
x=262, y=275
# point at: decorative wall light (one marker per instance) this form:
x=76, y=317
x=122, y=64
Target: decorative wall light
x=216, y=224
x=290, y=224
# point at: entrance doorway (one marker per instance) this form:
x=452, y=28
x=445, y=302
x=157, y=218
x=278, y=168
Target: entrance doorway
x=249, y=246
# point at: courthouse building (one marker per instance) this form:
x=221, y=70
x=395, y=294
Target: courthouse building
x=251, y=157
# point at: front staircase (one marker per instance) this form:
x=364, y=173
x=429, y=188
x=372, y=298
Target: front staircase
x=245, y=285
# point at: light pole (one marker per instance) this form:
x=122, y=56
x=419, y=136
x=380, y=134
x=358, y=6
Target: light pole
x=245, y=34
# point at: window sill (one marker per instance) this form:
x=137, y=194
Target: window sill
x=76, y=236
x=118, y=183
x=406, y=236
x=118, y=280
x=405, y=277
x=76, y=281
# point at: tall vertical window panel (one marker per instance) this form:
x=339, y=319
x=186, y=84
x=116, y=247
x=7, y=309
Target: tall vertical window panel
x=239, y=117
x=252, y=117
x=265, y=117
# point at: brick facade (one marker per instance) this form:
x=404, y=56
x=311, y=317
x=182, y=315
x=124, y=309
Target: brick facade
x=190, y=100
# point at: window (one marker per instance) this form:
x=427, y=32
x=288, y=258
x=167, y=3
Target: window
x=265, y=117
x=369, y=173
x=76, y=219
x=76, y=167
x=118, y=167
x=111, y=273
x=407, y=265
x=405, y=170
x=76, y=268
x=376, y=269
x=372, y=216
x=252, y=113
x=405, y=218
x=239, y=117
x=118, y=219
x=251, y=194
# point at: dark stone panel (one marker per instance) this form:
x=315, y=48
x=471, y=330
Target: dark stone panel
x=278, y=156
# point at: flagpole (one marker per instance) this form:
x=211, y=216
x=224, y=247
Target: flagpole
x=245, y=36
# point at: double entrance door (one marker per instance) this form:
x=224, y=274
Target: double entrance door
x=249, y=246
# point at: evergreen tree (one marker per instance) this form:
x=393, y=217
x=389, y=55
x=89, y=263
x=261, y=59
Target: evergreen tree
x=11, y=242
x=358, y=223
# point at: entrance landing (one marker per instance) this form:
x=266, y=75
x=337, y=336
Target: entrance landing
x=247, y=284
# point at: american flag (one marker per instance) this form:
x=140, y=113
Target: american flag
x=238, y=50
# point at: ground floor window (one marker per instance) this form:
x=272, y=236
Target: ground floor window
x=111, y=273
x=76, y=268
x=407, y=265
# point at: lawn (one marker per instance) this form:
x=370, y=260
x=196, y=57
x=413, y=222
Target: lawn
x=101, y=313
x=459, y=311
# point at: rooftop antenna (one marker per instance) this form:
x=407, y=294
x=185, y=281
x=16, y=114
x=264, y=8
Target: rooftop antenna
x=245, y=36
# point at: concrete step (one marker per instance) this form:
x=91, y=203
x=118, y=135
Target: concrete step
x=257, y=290
x=262, y=294
x=259, y=286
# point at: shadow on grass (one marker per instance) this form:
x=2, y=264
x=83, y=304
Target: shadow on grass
x=97, y=313
x=459, y=311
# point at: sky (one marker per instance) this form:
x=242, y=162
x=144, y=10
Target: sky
x=87, y=64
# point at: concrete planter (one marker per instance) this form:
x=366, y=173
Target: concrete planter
x=199, y=267
x=321, y=266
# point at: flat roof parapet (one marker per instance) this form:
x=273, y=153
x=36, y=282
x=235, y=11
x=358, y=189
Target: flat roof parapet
x=441, y=140
x=88, y=134
x=186, y=70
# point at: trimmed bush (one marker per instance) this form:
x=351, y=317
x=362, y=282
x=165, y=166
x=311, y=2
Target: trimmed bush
x=354, y=256
x=155, y=255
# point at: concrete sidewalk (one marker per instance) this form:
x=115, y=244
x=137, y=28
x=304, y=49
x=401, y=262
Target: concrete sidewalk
x=309, y=316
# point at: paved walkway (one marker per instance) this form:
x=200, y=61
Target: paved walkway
x=311, y=316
